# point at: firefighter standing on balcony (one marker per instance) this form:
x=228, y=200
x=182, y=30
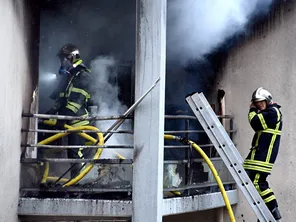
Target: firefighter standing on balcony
x=266, y=120
x=72, y=97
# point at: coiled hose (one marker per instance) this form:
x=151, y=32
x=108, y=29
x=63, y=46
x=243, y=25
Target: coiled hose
x=89, y=166
x=212, y=168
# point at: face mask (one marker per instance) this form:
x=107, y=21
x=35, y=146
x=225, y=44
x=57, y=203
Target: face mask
x=65, y=67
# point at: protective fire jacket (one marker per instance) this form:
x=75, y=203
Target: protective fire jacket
x=267, y=125
x=73, y=94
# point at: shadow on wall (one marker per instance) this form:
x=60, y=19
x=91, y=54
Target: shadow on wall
x=30, y=9
x=208, y=215
x=27, y=13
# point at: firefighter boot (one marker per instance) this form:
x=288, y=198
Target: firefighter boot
x=276, y=214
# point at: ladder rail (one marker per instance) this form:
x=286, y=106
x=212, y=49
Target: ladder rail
x=229, y=154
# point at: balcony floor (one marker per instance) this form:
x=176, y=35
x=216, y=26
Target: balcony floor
x=37, y=209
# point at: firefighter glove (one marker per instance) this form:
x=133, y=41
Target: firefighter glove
x=54, y=122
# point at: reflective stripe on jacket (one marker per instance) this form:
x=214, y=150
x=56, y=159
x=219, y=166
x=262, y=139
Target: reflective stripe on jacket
x=267, y=125
x=74, y=95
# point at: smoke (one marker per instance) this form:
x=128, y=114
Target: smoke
x=196, y=27
x=97, y=27
x=106, y=94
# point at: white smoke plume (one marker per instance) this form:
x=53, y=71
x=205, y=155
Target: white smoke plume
x=106, y=96
x=196, y=27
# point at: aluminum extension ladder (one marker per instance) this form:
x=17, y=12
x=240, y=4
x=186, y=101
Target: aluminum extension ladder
x=228, y=153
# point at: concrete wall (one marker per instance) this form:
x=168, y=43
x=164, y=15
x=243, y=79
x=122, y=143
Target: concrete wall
x=266, y=59
x=17, y=76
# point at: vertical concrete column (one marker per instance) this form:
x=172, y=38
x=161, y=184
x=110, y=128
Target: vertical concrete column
x=149, y=115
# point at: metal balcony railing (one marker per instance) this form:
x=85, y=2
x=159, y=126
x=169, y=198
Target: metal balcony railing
x=180, y=175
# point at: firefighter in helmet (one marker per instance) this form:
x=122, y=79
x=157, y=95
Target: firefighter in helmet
x=72, y=97
x=265, y=118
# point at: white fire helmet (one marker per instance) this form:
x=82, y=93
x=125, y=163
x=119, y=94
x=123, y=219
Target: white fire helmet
x=261, y=94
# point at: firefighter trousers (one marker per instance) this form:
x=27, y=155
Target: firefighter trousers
x=78, y=153
x=75, y=153
x=262, y=186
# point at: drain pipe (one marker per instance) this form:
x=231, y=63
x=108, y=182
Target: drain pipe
x=221, y=99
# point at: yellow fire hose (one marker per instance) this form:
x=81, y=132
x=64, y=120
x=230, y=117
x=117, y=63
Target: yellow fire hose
x=84, y=135
x=99, y=152
x=212, y=168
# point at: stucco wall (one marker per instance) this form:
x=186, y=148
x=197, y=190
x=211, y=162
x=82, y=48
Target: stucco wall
x=15, y=92
x=266, y=59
